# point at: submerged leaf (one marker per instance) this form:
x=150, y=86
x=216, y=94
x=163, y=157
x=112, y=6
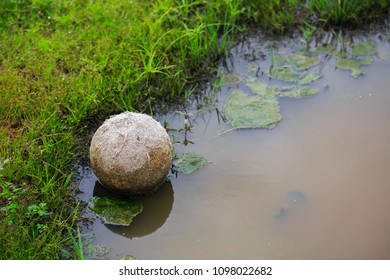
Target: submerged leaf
x=364, y=48
x=116, y=211
x=353, y=64
x=244, y=111
x=188, y=163
x=303, y=62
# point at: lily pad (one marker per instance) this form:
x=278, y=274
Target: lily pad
x=286, y=73
x=364, y=48
x=188, y=163
x=303, y=62
x=353, y=65
x=231, y=79
x=116, y=211
x=245, y=111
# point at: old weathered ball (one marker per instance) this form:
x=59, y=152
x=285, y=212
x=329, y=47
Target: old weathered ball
x=131, y=153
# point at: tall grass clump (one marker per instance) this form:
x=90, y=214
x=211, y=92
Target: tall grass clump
x=65, y=66
x=349, y=12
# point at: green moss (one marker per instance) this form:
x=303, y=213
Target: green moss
x=188, y=163
x=244, y=111
x=115, y=211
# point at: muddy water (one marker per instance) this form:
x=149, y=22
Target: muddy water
x=332, y=148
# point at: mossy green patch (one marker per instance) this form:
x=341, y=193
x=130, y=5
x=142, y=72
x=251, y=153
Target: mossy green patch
x=188, y=163
x=353, y=65
x=363, y=48
x=116, y=211
x=245, y=111
x=303, y=62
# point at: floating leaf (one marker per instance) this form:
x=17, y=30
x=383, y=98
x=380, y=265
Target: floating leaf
x=303, y=62
x=116, y=211
x=353, y=64
x=188, y=163
x=286, y=73
x=231, y=79
x=364, y=48
x=244, y=111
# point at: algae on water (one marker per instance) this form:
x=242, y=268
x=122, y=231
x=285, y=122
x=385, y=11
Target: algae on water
x=188, y=163
x=303, y=62
x=308, y=78
x=259, y=87
x=297, y=92
x=245, y=111
x=116, y=211
x=353, y=64
x=363, y=48
x=285, y=73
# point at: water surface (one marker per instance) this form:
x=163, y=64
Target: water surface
x=333, y=147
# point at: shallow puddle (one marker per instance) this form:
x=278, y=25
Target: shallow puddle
x=317, y=186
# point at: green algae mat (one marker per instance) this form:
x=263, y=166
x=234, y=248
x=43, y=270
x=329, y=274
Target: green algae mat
x=259, y=108
x=188, y=163
x=116, y=211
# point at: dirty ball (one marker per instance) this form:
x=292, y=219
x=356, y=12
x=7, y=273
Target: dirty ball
x=131, y=153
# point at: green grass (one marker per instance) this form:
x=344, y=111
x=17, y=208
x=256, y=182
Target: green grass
x=65, y=65
x=353, y=12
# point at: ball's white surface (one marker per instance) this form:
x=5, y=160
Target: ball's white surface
x=131, y=153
